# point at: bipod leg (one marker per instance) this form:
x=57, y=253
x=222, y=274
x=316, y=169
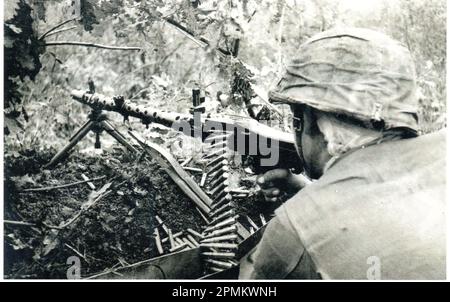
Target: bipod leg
x=82, y=132
x=80, y=129
x=118, y=136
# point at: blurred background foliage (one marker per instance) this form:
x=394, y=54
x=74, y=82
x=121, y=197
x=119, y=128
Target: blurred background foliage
x=39, y=77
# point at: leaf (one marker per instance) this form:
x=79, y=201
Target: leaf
x=12, y=126
x=51, y=241
x=14, y=28
x=66, y=211
x=16, y=243
x=23, y=181
x=87, y=13
x=13, y=154
x=41, y=10
x=22, y=49
x=10, y=7
x=94, y=195
x=25, y=114
x=60, y=118
x=109, y=218
x=8, y=42
x=140, y=191
x=160, y=81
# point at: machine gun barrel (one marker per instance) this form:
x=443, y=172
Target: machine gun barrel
x=127, y=108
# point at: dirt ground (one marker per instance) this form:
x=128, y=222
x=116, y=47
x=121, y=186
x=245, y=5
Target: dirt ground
x=117, y=230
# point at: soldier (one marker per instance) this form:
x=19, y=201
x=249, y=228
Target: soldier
x=377, y=207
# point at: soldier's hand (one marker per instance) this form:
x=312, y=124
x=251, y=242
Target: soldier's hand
x=277, y=182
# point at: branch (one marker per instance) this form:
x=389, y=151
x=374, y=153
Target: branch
x=62, y=186
x=55, y=27
x=61, y=30
x=199, y=41
x=202, y=42
x=23, y=223
x=76, y=252
x=59, y=43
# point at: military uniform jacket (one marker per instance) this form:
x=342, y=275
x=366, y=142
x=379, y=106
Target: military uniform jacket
x=376, y=213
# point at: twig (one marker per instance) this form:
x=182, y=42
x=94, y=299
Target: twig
x=189, y=34
x=62, y=186
x=251, y=16
x=74, y=218
x=61, y=30
x=200, y=41
x=85, y=44
x=56, y=27
x=122, y=262
x=76, y=252
x=19, y=223
x=117, y=273
x=90, y=184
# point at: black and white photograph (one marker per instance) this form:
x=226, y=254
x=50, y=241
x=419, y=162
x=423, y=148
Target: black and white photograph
x=224, y=140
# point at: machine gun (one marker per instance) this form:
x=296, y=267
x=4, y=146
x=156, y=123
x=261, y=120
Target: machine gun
x=216, y=252
x=267, y=148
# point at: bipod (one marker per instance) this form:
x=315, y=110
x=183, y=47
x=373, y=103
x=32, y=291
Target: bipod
x=97, y=123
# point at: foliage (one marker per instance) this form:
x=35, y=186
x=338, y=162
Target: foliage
x=22, y=49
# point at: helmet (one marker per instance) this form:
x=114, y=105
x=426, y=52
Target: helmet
x=356, y=72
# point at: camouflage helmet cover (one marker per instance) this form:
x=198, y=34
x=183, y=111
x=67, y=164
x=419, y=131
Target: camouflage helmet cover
x=356, y=72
